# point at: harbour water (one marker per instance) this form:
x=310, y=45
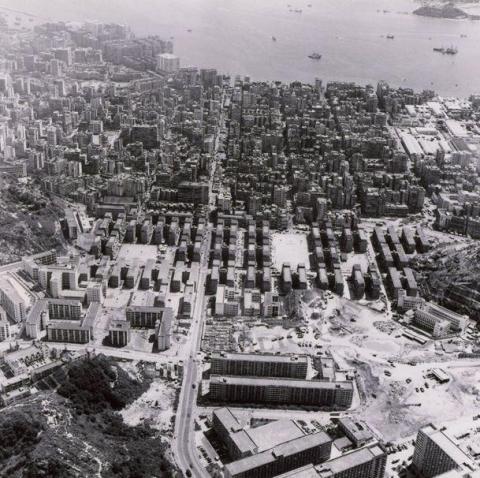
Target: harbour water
x=235, y=36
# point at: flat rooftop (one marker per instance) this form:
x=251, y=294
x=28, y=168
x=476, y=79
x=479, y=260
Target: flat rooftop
x=274, y=434
x=359, y=430
x=350, y=460
x=285, y=382
x=260, y=357
x=307, y=471
x=284, y=450
x=446, y=444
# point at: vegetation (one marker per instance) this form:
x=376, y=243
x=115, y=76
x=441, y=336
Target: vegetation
x=18, y=433
x=94, y=385
x=82, y=432
x=49, y=468
x=28, y=220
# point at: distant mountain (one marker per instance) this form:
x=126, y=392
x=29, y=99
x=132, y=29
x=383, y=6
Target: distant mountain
x=445, y=11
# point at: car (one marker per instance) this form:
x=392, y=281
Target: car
x=194, y=386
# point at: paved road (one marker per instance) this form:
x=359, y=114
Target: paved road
x=184, y=438
x=184, y=446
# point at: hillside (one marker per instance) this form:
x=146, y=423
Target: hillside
x=28, y=221
x=444, y=11
x=450, y=276
x=78, y=432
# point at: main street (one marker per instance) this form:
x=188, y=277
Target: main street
x=184, y=446
x=184, y=438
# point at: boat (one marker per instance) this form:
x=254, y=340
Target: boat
x=315, y=56
x=189, y=30
x=274, y=39
x=390, y=36
x=447, y=51
x=298, y=10
x=451, y=51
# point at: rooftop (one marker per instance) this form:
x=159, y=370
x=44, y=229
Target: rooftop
x=275, y=433
x=260, y=357
x=446, y=444
x=283, y=382
x=338, y=465
x=286, y=449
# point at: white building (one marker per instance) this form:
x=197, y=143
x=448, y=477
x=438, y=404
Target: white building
x=14, y=299
x=168, y=63
x=95, y=292
x=226, y=302
x=4, y=325
x=438, y=320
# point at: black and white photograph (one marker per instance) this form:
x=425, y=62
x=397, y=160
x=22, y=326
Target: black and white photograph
x=239, y=238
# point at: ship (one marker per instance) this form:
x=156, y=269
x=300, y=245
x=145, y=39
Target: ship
x=390, y=36
x=274, y=39
x=315, y=56
x=451, y=51
x=447, y=51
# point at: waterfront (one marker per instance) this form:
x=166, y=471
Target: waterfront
x=236, y=37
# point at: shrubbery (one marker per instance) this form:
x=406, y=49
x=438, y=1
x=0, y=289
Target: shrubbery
x=18, y=433
x=93, y=385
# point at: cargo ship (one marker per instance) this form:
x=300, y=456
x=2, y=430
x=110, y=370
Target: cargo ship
x=451, y=51
x=446, y=51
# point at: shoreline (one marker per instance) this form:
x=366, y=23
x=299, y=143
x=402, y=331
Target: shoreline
x=327, y=71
